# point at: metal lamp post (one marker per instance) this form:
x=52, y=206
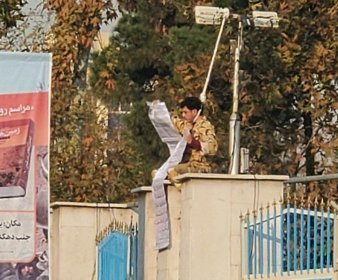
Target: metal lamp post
x=215, y=16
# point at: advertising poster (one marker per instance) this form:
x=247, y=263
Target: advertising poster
x=24, y=145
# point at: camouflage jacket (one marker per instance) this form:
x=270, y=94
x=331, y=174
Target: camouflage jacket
x=204, y=132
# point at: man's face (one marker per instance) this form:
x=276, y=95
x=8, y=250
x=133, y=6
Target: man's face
x=189, y=115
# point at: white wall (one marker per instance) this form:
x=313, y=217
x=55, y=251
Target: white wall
x=204, y=224
x=74, y=227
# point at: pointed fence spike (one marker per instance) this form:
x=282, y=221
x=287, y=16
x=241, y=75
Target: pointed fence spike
x=328, y=204
x=309, y=202
x=295, y=199
x=288, y=197
x=316, y=202
x=274, y=204
x=302, y=201
x=131, y=222
x=254, y=212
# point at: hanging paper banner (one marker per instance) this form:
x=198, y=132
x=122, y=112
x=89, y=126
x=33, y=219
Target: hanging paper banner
x=160, y=118
x=24, y=145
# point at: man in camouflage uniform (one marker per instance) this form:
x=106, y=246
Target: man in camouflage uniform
x=200, y=136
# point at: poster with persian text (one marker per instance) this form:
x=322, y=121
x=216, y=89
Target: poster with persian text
x=24, y=165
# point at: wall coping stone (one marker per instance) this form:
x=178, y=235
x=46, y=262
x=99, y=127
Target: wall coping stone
x=217, y=176
x=58, y=204
x=148, y=188
x=142, y=189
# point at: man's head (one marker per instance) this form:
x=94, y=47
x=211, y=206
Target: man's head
x=190, y=108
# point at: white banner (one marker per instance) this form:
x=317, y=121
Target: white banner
x=160, y=118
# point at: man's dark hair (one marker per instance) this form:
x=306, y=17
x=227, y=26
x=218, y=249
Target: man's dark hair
x=191, y=103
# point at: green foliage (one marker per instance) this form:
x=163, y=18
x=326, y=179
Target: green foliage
x=148, y=52
x=187, y=41
x=142, y=135
x=287, y=94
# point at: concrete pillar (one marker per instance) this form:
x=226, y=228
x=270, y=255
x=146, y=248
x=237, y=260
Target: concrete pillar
x=147, y=255
x=168, y=259
x=154, y=264
x=210, y=244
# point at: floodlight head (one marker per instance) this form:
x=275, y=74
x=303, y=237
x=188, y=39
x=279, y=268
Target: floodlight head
x=210, y=15
x=265, y=19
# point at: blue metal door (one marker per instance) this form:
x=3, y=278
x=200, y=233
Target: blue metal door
x=112, y=257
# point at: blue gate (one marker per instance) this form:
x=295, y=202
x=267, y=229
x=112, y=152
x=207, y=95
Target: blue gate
x=117, y=254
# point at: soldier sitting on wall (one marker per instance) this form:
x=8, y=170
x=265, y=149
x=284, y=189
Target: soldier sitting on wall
x=200, y=136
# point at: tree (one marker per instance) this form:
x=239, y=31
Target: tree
x=288, y=95
x=309, y=50
x=296, y=89
x=82, y=156
x=139, y=64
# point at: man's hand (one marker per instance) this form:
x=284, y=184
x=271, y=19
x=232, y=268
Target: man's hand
x=191, y=141
x=187, y=136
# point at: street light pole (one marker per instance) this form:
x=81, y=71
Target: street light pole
x=215, y=16
x=235, y=122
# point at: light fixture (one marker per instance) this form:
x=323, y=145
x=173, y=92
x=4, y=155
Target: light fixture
x=265, y=19
x=210, y=15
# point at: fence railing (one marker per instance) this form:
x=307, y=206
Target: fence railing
x=291, y=239
x=117, y=252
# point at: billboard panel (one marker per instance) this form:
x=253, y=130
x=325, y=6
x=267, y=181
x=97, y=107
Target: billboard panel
x=24, y=145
